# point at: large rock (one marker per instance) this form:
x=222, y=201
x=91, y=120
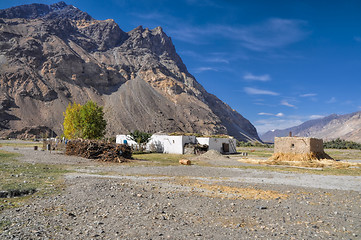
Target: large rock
x=53, y=55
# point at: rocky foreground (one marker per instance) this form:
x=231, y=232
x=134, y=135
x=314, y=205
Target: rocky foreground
x=200, y=201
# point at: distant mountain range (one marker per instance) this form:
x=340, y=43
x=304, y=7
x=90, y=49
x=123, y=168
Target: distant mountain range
x=51, y=55
x=347, y=127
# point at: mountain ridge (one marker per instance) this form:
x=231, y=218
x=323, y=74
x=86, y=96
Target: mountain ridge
x=58, y=54
x=347, y=127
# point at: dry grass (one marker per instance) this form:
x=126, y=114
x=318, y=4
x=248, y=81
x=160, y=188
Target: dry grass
x=227, y=192
x=297, y=157
x=301, y=162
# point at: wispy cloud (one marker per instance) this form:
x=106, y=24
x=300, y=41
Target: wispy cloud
x=271, y=114
x=149, y=15
x=287, y=104
x=273, y=123
x=308, y=95
x=265, y=125
x=357, y=39
x=316, y=116
x=256, y=91
x=205, y=69
x=273, y=33
x=332, y=100
x=211, y=57
x=205, y=3
x=262, y=78
x=270, y=34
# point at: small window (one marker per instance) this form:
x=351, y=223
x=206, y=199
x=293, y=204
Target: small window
x=292, y=145
x=173, y=141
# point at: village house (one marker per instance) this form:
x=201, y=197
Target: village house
x=163, y=143
x=299, y=145
x=299, y=148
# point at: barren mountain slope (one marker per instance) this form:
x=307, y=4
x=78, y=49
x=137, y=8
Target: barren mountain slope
x=53, y=55
x=346, y=127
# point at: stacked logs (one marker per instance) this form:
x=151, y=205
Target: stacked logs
x=100, y=150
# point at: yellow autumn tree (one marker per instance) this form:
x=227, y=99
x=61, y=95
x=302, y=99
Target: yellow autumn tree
x=72, y=121
x=85, y=121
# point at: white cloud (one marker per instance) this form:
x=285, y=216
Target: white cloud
x=271, y=114
x=262, y=78
x=265, y=125
x=308, y=95
x=316, y=116
x=287, y=104
x=205, y=69
x=265, y=114
x=256, y=91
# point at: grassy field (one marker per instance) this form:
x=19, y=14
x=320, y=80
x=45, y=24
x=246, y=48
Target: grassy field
x=22, y=144
x=344, y=154
x=18, y=177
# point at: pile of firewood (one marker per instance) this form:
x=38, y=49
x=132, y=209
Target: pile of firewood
x=100, y=150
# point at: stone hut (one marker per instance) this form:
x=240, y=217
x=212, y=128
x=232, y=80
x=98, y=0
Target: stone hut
x=298, y=145
x=303, y=148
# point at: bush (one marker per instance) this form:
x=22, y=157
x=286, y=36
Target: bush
x=253, y=144
x=342, y=144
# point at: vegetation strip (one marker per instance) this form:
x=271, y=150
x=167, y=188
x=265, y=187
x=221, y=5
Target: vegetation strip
x=18, y=180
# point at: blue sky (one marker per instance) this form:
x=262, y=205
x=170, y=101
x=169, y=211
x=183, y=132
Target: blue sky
x=278, y=63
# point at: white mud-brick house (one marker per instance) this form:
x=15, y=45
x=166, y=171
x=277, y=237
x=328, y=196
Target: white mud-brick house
x=169, y=144
x=222, y=145
x=125, y=139
x=176, y=144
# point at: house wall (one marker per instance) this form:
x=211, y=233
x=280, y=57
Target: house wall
x=203, y=140
x=156, y=143
x=298, y=145
x=217, y=143
x=175, y=144
x=169, y=144
x=120, y=140
x=316, y=145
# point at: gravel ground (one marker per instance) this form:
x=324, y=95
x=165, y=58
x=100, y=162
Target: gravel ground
x=102, y=201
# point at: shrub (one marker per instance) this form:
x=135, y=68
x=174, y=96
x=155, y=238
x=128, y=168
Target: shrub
x=342, y=144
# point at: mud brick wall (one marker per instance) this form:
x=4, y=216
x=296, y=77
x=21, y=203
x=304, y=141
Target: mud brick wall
x=298, y=145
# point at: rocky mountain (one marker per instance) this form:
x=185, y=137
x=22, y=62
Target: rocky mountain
x=346, y=127
x=53, y=55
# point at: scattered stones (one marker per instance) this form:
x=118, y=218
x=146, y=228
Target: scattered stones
x=154, y=202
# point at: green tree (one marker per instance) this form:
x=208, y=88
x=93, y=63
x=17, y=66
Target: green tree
x=140, y=137
x=93, y=123
x=85, y=121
